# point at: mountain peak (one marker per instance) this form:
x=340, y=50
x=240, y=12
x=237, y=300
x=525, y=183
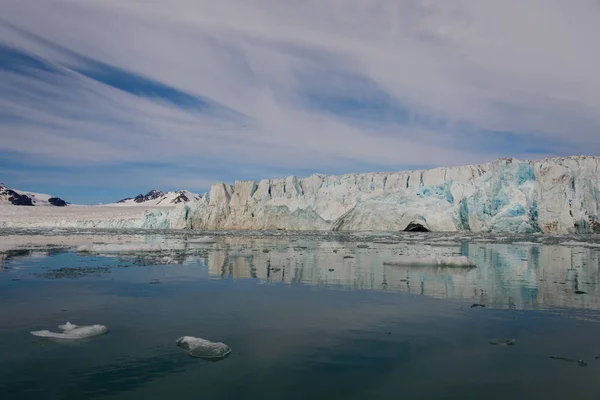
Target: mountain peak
x=151, y=195
x=159, y=198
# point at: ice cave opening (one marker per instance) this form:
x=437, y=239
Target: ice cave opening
x=414, y=227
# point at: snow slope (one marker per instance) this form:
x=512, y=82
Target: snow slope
x=554, y=195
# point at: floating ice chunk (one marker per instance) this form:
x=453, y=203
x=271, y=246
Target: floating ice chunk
x=580, y=244
x=72, y=331
x=503, y=342
x=371, y=234
x=202, y=240
x=444, y=243
x=201, y=348
x=121, y=248
x=454, y=261
x=581, y=363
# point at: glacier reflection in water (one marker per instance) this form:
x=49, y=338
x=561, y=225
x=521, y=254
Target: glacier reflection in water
x=524, y=271
x=524, y=276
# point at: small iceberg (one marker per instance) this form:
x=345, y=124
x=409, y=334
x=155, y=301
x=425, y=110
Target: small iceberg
x=503, y=342
x=442, y=261
x=581, y=363
x=202, y=348
x=202, y=240
x=72, y=331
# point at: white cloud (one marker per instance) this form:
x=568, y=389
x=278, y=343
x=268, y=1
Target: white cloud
x=455, y=70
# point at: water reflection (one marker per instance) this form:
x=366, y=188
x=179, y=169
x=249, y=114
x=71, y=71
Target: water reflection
x=507, y=276
x=530, y=273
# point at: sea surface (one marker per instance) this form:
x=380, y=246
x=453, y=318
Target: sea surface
x=306, y=315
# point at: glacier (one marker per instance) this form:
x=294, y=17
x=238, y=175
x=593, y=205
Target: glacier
x=555, y=195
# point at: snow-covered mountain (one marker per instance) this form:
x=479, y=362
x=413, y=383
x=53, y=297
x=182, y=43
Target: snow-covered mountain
x=20, y=198
x=160, y=198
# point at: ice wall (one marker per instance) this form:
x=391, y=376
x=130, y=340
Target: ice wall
x=555, y=195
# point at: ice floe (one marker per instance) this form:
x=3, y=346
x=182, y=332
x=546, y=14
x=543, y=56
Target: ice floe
x=121, y=247
x=202, y=348
x=202, y=240
x=503, y=342
x=72, y=331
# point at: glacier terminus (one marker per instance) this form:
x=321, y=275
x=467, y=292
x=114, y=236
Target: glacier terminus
x=554, y=195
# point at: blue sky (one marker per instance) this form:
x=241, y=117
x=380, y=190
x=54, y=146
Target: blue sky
x=104, y=100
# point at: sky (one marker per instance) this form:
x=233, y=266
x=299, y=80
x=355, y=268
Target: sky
x=105, y=99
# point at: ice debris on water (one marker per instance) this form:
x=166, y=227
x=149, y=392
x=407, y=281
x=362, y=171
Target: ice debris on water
x=503, y=342
x=475, y=305
x=202, y=240
x=202, y=348
x=109, y=248
x=72, y=331
x=450, y=261
x=581, y=363
x=579, y=244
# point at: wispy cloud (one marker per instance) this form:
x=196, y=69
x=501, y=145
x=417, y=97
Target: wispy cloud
x=230, y=89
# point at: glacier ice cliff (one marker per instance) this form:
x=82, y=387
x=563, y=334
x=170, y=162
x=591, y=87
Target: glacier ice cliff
x=554, y=195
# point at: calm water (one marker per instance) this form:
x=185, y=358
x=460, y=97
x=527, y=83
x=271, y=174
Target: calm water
x=307, y=316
